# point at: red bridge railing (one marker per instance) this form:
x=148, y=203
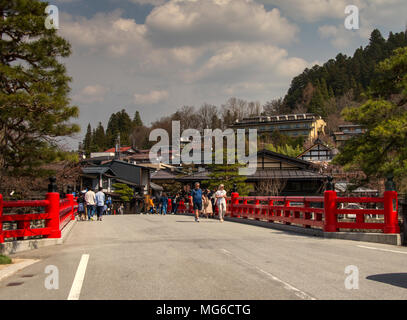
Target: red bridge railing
x=313, y=212
x=56, y=214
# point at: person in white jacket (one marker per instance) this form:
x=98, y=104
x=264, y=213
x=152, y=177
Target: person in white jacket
x=90, y=200
x=220, y=196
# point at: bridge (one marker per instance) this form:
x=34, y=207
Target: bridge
x=173, y=257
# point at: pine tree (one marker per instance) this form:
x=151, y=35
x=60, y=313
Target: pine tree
x=137, y=120
x=338, y=72
x=126, y=193
x=34, y=87
x=100, y=138
x=119, y=124
x=93, y=146
x=381, y=150
x=324, y=89
x=228, y=175
x=317, y=104
x=87, y=142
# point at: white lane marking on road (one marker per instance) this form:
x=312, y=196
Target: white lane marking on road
x=79, y=277
x=287, y=286
x=380, y=249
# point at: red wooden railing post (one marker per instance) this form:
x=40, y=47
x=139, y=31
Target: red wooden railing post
x=330, y=211
x=307, y=215
x=390, y=212
x=287, y=213
x=245, y=211
x=53, y=211
x=233, y=202
x=1, y=219
x=71, y=205
x=169, y=209
x=257, y=210
x=181, y=206
x=271, y=210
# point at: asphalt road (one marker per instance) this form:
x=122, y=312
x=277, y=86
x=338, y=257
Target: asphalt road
x=172, y=257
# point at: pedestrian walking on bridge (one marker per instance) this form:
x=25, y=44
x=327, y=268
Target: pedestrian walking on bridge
x=221, y=201
x=164, y=204
x=100, y=204
x=81, y=207
x=90, y=199
x=197, y=200
x=207, y=204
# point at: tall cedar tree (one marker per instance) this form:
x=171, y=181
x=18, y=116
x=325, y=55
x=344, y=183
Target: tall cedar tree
x=119, y=124
x=34, y=87
x=137, y=120
x=382, y=149
x=87, y=142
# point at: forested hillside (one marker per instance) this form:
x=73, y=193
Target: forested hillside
x=312, y=89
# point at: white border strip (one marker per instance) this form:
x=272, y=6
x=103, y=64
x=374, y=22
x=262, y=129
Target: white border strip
x=287, y=286
x=379, y=249
x=14, y=268
x=79, y=277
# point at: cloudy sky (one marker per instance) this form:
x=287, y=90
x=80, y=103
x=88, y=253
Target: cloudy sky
x=155, y=56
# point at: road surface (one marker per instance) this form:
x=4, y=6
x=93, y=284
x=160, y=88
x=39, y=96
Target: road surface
x=172, y=257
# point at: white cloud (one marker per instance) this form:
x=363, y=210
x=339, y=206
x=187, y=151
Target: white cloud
x=312, y=10
x=196, y=23
x=339, y=37
x=91, y=94
x=107, y=33
x=153, y=97
x=375, y=12
x=240, y=60
x=150, y=2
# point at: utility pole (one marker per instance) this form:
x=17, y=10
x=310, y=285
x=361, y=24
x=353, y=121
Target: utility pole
x=117, y=151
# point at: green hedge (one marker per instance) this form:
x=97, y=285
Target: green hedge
x=5, y=260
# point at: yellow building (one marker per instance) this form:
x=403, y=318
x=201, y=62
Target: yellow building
x=294, y=125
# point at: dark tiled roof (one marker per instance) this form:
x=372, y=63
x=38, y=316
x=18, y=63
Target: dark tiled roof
x=97, y=170
x=282, y=157
x=286, y=174
x=156, y=187
x=197, y=176
x=264, y=174
x=162, y=175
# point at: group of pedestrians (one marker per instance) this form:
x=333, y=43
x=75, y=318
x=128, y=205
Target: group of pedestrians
x=91, y=204
x=205, y=201
x=160, y=205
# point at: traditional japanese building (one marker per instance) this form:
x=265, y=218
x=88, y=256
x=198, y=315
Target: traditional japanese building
x=346, y=132
x=294, y=125
x=276, y=174
x=319, y=152
x=104, y=175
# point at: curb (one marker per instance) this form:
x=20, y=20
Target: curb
x=391, y=239
x=27, y=245
x=14, y=268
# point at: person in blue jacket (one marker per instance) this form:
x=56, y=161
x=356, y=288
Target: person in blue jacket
x=197, y=200
x=164, y=203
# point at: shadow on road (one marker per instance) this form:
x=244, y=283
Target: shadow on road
x=394, y=279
